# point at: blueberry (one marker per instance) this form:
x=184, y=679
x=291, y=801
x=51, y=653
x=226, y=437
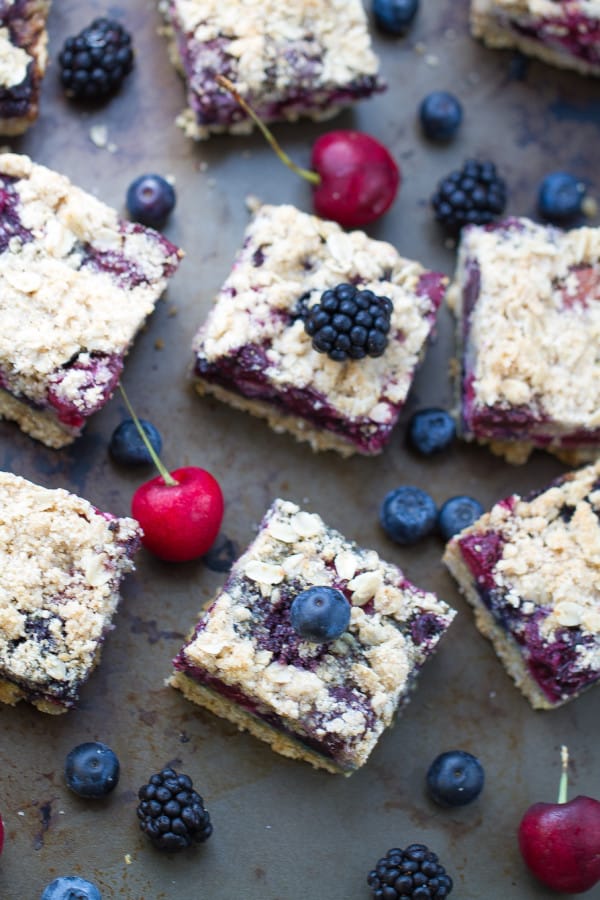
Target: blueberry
x=560, y=197
x=92, y=769
x=126, y=446
x=395, y=16
x=71, y=887
x=440, y=114
x=150, y=200
x=458, y=513
x=408, y=514
x=455, y=778
x=320, y=614
x=430, y=431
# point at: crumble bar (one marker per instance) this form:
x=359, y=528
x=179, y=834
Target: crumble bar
x=23, y=56
x=564, y=33
x=62, y=564
x=309, y=58
x=326, y=703
x=253, y=351
x=531, y=570
x=76, y=284
x=527, y=301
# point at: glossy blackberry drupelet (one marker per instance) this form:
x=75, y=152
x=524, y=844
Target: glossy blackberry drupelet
x=92, y=769
x=458, y=513
x=94, y=62
x=71, y=887
x=408, y=514
x=171, y=813
x=474, y=195
x=430, y=431
x=320, y=614
x=455, y=778
x=150, y=200
x=412, y=873
x=127, y=447
x=395, y=16
x=560, y=197
x=440, y=114
x=348, y=323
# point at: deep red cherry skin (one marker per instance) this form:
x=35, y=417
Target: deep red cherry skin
x=359, y=178
x=180, y=522
x=560, y=843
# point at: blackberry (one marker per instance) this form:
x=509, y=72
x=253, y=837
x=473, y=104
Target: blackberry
x=171, y=813
x=475, y=195
x=94, y=62
x=348, y=323
x=412, y=873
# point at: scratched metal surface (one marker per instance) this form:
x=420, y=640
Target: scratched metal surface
x=282, y=830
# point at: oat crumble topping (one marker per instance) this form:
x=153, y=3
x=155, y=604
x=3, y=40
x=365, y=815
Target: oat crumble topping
x=59, y=580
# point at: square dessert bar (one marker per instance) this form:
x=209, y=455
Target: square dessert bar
x=531, y=569
x=307, y=58
x=326, y=703
x=23, y=40
x=563, y=33
x=76, y=284
x=254, y=352
x=527, y=299
x=62, y=564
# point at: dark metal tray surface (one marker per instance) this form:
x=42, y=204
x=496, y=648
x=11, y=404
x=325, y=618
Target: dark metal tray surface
x=282, y=830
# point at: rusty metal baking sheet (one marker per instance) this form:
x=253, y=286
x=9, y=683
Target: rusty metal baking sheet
x=283, y=831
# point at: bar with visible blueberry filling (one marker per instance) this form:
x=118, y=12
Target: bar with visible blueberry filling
x=23, y=40
x=254, y=351
x=76, y=284
x=530, y=568
x=564, y=33
x=327, y=703
x=527, y=301
x=62, y=564
x=309, y=58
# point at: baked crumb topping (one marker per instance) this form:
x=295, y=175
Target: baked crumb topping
x=74, y=279
x=244, y=641
x=550, y=557
x=288, y=254
x=62, y=562
x=534, y=328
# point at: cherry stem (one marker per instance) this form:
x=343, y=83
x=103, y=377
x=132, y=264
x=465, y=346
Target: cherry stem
x=308, y=174
x=564, y=778
x=165, y=474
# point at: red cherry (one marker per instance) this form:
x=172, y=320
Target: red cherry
x=359, y=178
x=180, y=521
x=560, y=842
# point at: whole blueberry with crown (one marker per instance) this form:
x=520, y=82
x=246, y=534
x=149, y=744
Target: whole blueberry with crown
x=408, y=514
x=320, y=614
x=455, y=778
x=150, y=200
x=92, y=769
x=395, y=16
x=560, y=197
x=440, y=114
x=71, y=887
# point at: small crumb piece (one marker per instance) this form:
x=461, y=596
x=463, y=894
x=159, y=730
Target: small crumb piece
x=589, y=207
x=99, y=135
x=128, y=859
x=172, y=311
x=170, y=178
x=159, y=344
x=421, y=49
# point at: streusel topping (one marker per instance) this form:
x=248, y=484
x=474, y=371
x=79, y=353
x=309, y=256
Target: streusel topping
x=63, y=277
x=534, y=331
x=335, y=30
x=550, y=556
x=288, y=254
x=62, y=561
x=546, y=9
x=376, y=657
x=13, y=61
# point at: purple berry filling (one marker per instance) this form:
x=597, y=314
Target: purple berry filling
x=302, y=62
x=572, y=33
x=100, y=370
x=17, y=100
x=554, y=665
x=10, y=223
x=122, y=268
